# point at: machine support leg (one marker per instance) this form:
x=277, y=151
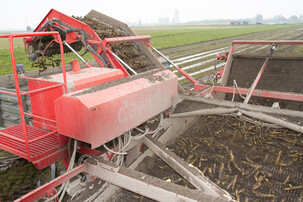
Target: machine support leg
x=190, y=173
x=144, y=184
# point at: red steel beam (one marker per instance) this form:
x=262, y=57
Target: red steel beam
x=257, y=79
x=12, y=137
x=18, y=92
x=107, y=41
x=263, y=93
x=11, y=46
x=39, y=117
x=7, y=92
x=42, y=136
x=43, y=89
x=41, y=80
x=50, y=157
x=258, y=93
x=190, y=78
x=13, y=150
x=28, y=34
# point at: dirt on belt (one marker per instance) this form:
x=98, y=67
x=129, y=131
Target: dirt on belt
x=252, y=163
x=128, y=52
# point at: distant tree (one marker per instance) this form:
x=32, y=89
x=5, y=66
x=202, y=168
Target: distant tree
x=28, y=29
x=293, y=18
x=259, y=18
x=280, y=19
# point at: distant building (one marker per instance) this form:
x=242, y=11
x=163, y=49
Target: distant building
x=28, y=29
x=176, y=18
x=163, y=21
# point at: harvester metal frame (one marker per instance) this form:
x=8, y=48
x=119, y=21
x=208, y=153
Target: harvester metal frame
x=222, y=89
x=121, y=176
x=23, y=127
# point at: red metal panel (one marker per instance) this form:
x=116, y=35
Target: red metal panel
x=97, y=116
x=97, y=76
x=43, y=102
x=263, y=93
x=257, y=92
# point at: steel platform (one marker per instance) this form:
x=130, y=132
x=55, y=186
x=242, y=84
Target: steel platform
x=12, y=140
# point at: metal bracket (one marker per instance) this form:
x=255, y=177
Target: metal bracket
x=144, y=184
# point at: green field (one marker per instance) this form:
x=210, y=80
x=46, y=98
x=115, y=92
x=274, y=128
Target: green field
x=174, y=36
x=162, y=37
x=21, y=57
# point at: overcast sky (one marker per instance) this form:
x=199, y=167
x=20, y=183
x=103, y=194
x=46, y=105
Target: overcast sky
x=17, y=14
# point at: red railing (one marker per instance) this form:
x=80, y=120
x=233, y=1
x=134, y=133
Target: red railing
x=18, y=93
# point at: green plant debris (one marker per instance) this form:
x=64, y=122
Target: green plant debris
x=21, y=58
x=20, y=179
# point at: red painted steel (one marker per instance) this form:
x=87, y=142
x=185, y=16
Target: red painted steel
x=42, y=136
x=263, y=93
x=43, y=103
x=93, y=38
x=257, y=92
x=60, y=20
x=231, y=51
x=41, y=143
x=27, y=141
x=75, y=66
x=11, y=45
x=191, y=79
x=107, y=41
x=49, y=157
x=7, y=92
x=97, y=116
x=39, y=117
x=72, y=36
x=42, y=89
x=108, y=52
x=86, y=150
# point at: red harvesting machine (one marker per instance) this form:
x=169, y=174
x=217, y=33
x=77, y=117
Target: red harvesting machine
x=90, y=106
